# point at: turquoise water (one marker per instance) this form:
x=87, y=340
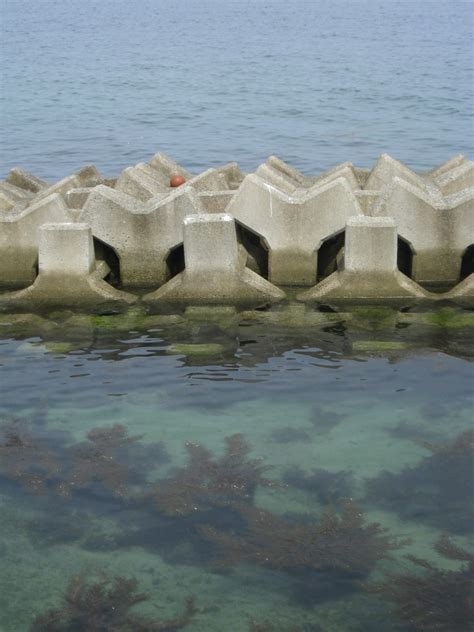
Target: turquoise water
x=336, y=406
x=316, y=82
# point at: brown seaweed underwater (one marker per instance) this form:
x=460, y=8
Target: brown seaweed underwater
x=211, y=502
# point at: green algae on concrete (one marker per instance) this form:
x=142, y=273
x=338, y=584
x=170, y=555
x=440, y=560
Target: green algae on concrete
x=195, y=349
x=451, y=318
x=379, y=345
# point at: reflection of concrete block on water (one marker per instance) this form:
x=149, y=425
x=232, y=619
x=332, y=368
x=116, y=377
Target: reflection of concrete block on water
x=67, y=272
x=370, y=267
x=142, y=235
x=293, y=226
x=437, y=230
x=215, y=273
x=19, y=238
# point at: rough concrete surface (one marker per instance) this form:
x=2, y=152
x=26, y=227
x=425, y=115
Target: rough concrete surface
x=229, y=237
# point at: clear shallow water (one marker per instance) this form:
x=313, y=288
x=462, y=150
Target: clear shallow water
x=336, y=410
x=317, y=83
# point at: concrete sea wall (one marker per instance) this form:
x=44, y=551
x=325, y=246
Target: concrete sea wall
x=348, y=235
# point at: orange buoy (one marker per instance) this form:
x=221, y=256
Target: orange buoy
x=177, y=181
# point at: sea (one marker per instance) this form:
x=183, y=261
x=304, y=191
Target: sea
x=282, y=470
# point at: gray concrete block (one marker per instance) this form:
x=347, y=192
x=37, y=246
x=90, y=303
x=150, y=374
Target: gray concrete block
x=431, y=227
x=216, y=201
x=19, y=239
x=293, y=174
x=453, y=162
x=168, y=167
x=61, y=187
x=459, y=223
x=462, y=293
x=387, y=168
x=345, y=170
x=456, y=179
x=367, y=200
x=293, y=226
x=67, y=275
x=141, y=234
x=232, y=175
x=66, y=249
x=139, y=182
x=76, y=198
x=215, y=274
x=25, y=180
x=12, y=196
x=277, y=178
x=89, y=176
x=362, y=175
x=210, y=180
x=370, y=271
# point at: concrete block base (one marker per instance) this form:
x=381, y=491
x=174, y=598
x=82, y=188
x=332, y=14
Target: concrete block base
x=19, y=232
x=68, y=275
x=370, y=271
x=462, y=294
x=371, y=288
x=215, y=273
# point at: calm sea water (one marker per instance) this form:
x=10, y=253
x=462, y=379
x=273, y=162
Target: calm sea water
x=374, y=408
x=112, y=82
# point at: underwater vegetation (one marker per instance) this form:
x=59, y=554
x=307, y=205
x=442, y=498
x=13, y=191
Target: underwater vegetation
x=103, y=606
x=338, y=545
x=329, y=487
x=207, y=482
x=27, y=458
x=434, y=599
x=95, y=460
x=437, y=491
x=109, y=459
